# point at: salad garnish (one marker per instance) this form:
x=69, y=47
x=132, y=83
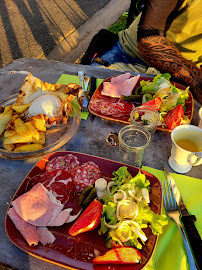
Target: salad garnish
x=126, y=211
x=170, y=95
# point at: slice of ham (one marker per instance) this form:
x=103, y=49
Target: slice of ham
x=45, y=236
x=72, y=218
x=61, y=218
x=121, y=78
x=28, y=231
x=37, y=206
x=117, y=89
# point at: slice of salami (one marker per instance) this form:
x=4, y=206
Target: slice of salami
x=85, y=175
x=108, y=109
x=60, y=182
x=94, y=104
x=115, y=107
x=67, y=162
x=124, y=106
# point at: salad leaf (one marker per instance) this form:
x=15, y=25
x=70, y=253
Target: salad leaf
x=110, y=211
x=122, y=175
x=156, y=222
x=140, y=180
x=146, y=97
x=170, y=102
x=123, y=219
x=134, y=243
x=152, y=87
x=75, y=107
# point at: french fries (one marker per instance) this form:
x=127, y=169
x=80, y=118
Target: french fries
x=18, y=138
x=41, y=140
x=22, y=130
x=5, y=118
x=20, y=108
x=19, y=135
x=20, y=127
x=39, y=123
x=34, y=132
x=28, y=147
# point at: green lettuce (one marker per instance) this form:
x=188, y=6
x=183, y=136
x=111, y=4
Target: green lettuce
x=152, y=87
x=122, y=175
x=140, y=180
x=145, y=216
x=156, y=222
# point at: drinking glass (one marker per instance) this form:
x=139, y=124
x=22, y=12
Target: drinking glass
x=132, y=144
x=146, y=118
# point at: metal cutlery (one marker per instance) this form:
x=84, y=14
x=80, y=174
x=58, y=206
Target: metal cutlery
x=83, y=97
x=188, y=221
x=174, y=213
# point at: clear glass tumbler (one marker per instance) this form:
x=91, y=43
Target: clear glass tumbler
x=146, y=118
x=132, y=144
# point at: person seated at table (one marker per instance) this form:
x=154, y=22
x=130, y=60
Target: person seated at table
x=167, y=35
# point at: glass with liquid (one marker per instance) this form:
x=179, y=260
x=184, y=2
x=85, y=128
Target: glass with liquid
x=188, y=145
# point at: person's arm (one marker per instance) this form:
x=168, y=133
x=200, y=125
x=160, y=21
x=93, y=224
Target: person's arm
x=159, y=52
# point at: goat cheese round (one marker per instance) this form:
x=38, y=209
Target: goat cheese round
x=49, y=105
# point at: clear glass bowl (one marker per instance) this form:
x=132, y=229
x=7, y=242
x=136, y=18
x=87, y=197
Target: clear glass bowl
x=56, y=136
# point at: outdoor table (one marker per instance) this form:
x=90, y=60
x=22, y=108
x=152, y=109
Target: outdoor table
x=90, y=139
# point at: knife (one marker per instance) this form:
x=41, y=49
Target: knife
x=188, y=222
x=91, y=92
x=92, y=86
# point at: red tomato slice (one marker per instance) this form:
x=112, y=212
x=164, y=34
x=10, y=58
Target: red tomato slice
x=154, y=103
x=173, y=117
x=88, y=220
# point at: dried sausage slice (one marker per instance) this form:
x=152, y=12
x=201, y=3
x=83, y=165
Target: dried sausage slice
x=67, y=162
x=85, y=175
x=111, y=106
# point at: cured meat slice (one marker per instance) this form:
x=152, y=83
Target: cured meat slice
x=28, y=231
x=85, y=175
x=117, y=89
x=67, y=162
x=72, y=218
x=45, y=236
x=124, y=107
x=37, y=206
x=107, y=108
x=111, y=106
x=121, y=78
x=60, y=182
x=61, y=218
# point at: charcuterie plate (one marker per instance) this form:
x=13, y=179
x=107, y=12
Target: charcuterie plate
x=79, y=251
x=189, y=103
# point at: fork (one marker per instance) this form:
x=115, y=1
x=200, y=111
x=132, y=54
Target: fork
x=83, y=97
x=172, y=211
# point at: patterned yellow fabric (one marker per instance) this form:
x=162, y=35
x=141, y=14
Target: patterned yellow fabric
x=185, y=32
